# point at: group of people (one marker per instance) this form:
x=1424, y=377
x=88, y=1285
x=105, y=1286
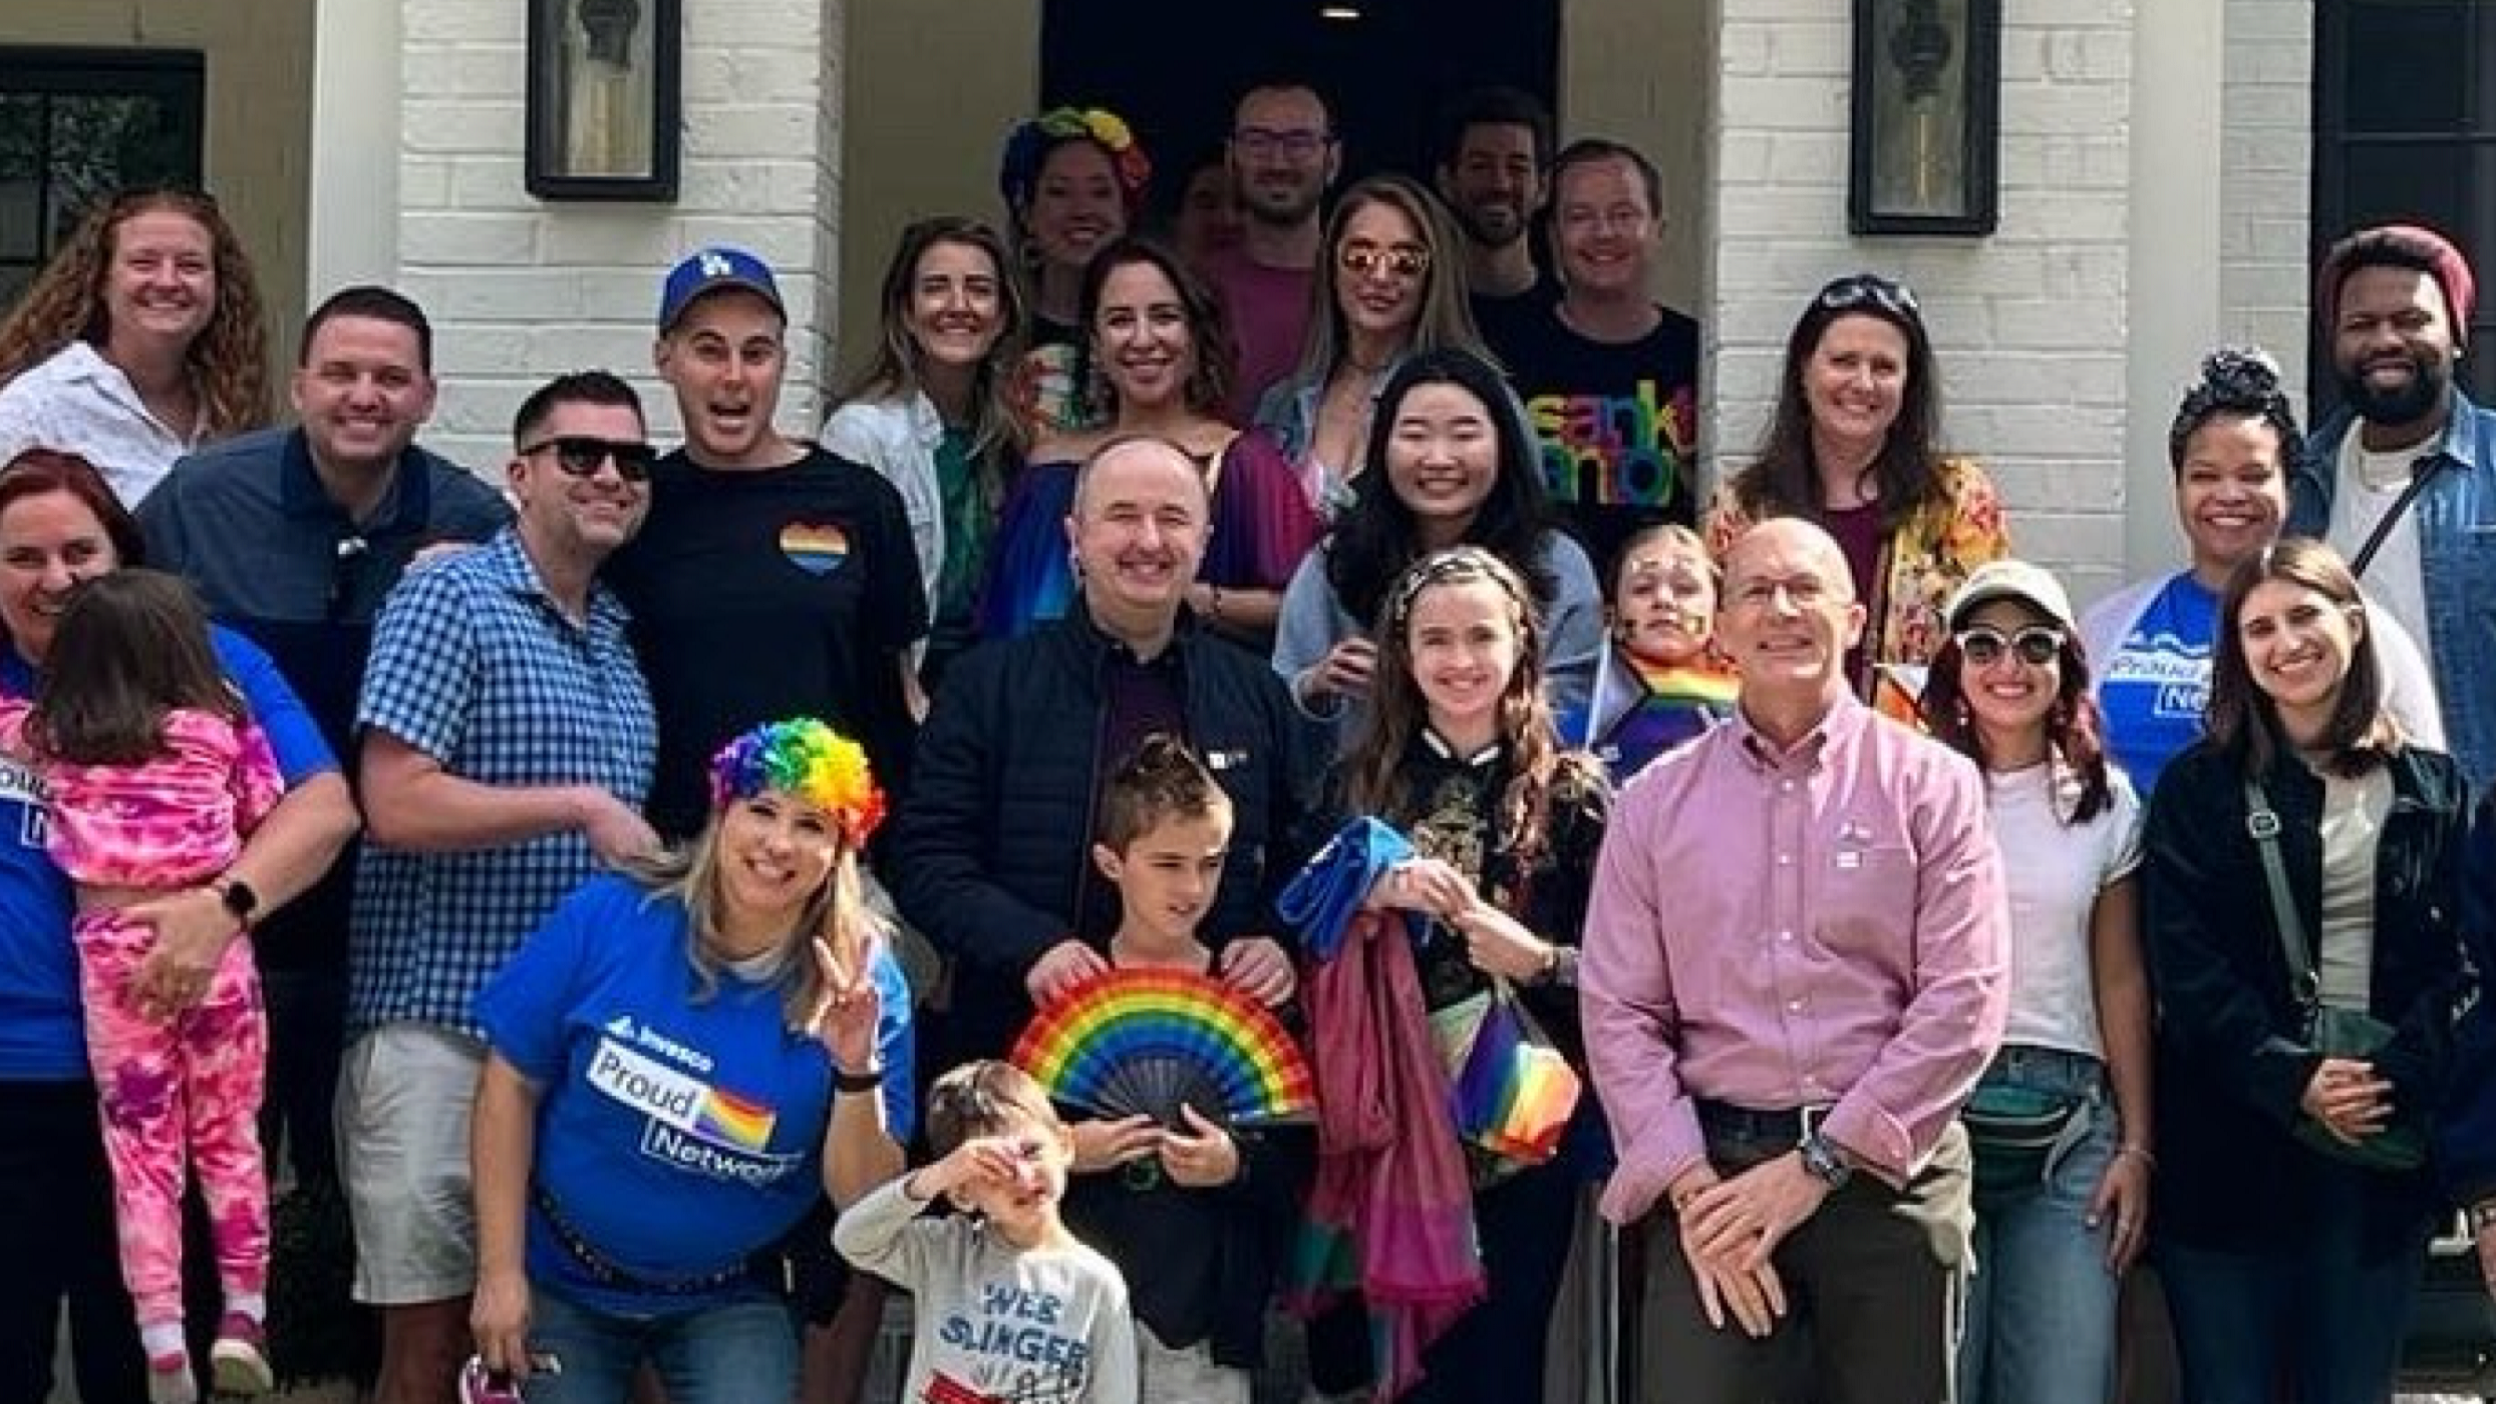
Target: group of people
x=1321, y=603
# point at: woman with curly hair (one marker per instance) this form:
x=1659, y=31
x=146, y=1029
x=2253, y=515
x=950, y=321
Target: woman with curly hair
x=141, y=340
x=1855, y=448
x=2232, y=445
x=1073, y=179
x=1390, y=284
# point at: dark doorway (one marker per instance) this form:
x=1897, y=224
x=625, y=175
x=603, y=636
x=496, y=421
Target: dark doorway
x=78, y=125
x=1174, y=70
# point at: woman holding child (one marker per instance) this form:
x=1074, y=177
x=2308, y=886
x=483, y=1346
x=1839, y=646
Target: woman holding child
x=711, y=1033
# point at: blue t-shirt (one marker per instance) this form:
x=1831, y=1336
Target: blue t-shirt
x=676, y=1133
x=2154, y=687
x=42, y=1037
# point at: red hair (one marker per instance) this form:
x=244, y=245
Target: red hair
x=38, y=472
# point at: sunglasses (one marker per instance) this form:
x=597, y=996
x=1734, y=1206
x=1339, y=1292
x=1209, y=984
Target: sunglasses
x=2037, y=645
x=1402, y=261
x=1868, y=290
x=581, y=456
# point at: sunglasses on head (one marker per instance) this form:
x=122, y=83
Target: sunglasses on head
x=2036, y=644
x=1868, y=290
x=581, y=455
x=1367, y=260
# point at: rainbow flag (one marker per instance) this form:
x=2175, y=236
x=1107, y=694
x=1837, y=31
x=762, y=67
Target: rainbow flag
x=731, y=1120
x=1513, y=1096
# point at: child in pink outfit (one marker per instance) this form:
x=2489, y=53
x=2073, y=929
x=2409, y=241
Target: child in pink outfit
x=154, y=774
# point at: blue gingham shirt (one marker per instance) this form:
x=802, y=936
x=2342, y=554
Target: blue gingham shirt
x=474, y=665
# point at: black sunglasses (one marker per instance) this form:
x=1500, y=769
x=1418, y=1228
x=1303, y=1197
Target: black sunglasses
x=2036, y=644
x=581, y=455
x=1868, y=290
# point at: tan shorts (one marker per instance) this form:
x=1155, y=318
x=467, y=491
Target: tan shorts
x=404, y=1096
x=1166, y=1376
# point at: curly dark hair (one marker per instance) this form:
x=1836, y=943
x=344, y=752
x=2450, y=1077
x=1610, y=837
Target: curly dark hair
x=2074, y=729
x=2236, y=382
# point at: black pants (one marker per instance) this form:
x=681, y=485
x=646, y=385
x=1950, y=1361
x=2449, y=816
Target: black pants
x=307, y=1039
x=1874, y=1282
x=57, y=1244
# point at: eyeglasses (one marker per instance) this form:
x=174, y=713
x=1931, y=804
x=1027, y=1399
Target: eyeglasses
x=581, y=456
x=2036, y=645
x=1369, y=261
x=1868, y=290
x=346, y=574
x=1257, y=143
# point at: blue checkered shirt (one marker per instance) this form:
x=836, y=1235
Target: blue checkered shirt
x=474, y=665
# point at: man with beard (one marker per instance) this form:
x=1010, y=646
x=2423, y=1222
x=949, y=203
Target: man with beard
x=1494, y=149
x=1283, y=155
x=1609, y=375
x=2402, y=478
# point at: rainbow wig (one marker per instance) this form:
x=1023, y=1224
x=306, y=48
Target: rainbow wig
x=804, y=758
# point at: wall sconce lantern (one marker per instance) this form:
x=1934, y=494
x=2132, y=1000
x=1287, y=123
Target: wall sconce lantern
x=604, y=105
x=1927, y=121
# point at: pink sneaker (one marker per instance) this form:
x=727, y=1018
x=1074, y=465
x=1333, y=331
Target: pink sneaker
x=169, y=1380
x=239, y=1362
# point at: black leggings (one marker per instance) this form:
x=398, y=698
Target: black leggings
x=58, y=1243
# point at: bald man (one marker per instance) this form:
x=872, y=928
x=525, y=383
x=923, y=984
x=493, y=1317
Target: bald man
x=1794, y=973
x=989, y=850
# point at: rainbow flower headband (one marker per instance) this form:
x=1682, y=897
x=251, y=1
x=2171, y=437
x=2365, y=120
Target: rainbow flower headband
x=805, y=758
x=1033, y=139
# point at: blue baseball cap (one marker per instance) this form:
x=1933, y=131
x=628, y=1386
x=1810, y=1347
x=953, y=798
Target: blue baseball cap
x=708, y=270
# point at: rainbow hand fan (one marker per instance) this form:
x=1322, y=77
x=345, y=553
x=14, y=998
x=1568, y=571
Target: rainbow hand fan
x=1143, y=1041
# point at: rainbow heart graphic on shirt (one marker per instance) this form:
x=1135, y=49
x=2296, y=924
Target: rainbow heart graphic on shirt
x=814, y=549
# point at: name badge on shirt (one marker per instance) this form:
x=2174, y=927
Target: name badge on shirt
x=1218, y=761
x=1853, y=837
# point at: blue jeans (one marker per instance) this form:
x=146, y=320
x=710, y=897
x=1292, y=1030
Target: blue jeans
x=2041, y=1305
x=742, y=1352
x=2311, y=1310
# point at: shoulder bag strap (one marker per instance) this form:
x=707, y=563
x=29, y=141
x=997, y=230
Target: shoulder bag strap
x=2421, y=473
x=2262, y=822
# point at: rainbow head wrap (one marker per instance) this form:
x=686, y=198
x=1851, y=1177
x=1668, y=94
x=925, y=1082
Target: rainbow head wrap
x=805, y=758
x=1032, y=140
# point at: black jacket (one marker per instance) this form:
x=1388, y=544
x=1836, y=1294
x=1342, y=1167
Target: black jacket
x=991, y=854
x=2232, y=1062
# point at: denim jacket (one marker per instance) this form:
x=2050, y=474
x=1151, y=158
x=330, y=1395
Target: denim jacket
x=2457, y=544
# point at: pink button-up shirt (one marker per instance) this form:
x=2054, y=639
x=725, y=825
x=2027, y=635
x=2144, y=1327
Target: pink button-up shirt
x=1777, y=928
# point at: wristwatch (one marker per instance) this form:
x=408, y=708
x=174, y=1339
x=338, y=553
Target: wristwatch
x=239, y=901
x=1822, y=1162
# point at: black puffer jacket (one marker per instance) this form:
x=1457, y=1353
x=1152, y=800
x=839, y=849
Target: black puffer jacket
x=991, y=848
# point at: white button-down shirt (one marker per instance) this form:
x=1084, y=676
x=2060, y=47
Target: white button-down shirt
x=78, y=402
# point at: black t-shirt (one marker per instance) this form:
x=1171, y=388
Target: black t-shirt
x=759, y=595
x=1618, y=426
x=1509, y=322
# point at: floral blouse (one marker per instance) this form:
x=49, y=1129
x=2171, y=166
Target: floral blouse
x=1924, y=561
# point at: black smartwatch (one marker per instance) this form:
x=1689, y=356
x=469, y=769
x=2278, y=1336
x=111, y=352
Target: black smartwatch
x=1823, y=1163
x=239, y=901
